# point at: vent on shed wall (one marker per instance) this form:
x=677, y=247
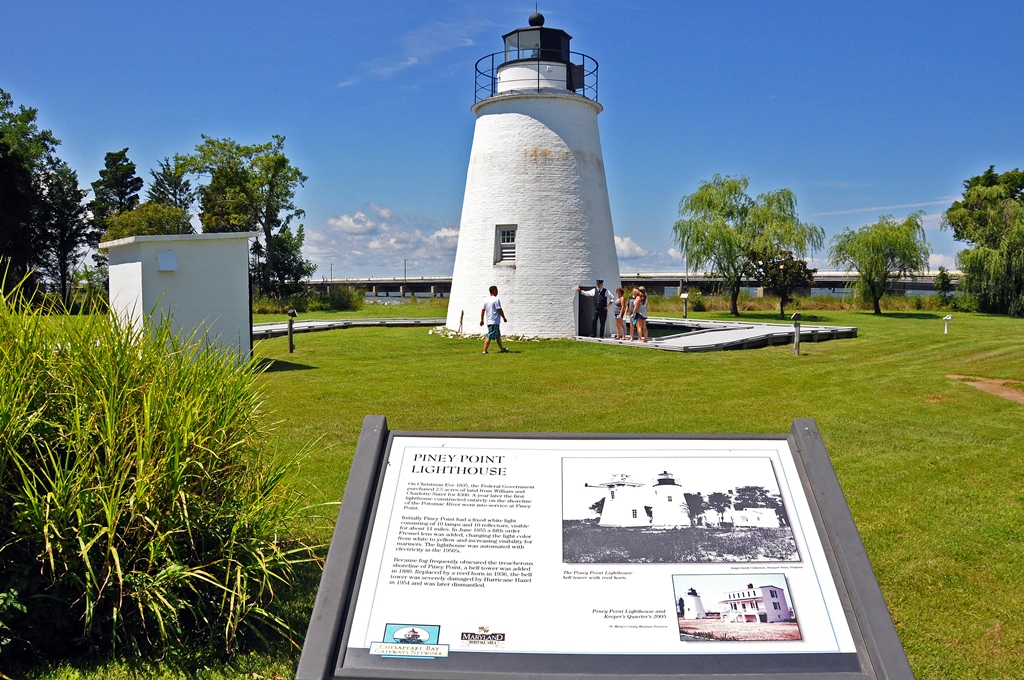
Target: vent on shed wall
x=505, y=243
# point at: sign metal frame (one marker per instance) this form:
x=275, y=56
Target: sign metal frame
x=879, y=653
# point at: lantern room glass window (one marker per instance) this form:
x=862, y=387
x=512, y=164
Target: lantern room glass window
x=522, y=45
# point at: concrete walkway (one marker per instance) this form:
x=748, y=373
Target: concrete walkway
x=276, y=329
x=709, y=336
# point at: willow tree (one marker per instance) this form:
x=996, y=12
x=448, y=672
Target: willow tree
x=724, y=230
x=990, y=219
x=881, y=252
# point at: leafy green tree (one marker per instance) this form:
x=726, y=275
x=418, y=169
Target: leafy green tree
x=24, y=153
x=117, y=189
x=990, y=218
x=782, y=273
x=720, y=227
x=881, y=252
x=148, y=219
x=18, y=129
x=63, y=226
x=943, y=284
x=251, y=188
x=290, y=268
x=170, y=187
x=17, y=199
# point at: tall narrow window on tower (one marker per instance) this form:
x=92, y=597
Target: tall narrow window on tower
x=505, y=243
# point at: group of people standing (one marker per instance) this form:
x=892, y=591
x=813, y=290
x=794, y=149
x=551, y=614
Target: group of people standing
x=630, y=312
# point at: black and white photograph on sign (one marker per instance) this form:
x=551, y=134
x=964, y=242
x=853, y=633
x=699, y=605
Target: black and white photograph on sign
x=752, y=606
x=674, y=510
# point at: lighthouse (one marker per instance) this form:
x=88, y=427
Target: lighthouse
x=669, y=505
x=690, y=606
x=536, y=221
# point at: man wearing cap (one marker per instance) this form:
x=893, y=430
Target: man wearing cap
x=602, y=301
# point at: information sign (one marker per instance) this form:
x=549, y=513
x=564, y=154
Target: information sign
x=530, y=556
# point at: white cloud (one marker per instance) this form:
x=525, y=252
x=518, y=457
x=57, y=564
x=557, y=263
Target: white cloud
x=353, y=224
x=886, y=209
x=675, y=254
x=376, y=241
x=626, y=248
x=936, y=260
x=419, y=45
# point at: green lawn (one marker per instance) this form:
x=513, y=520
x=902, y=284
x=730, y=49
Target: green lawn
x=421, y=308
x=932, y=468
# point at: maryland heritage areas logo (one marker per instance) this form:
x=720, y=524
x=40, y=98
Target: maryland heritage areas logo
x=402, y=640
x=483, y=637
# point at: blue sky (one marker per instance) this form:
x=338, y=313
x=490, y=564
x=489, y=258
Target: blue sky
x=861, y=108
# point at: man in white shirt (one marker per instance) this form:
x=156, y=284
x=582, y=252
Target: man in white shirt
x=493, y=314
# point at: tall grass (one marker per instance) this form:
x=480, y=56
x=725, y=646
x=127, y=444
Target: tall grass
x=140, y=505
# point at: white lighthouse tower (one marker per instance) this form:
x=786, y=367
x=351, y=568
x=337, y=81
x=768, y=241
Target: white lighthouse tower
x=535, y=218
x=668, y=508
x=691, y=607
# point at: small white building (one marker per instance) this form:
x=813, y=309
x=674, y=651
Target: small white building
x=625, y=503
x=199, y=281
x=764, y=604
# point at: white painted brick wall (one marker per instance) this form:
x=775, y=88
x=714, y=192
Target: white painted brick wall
x=536, y=162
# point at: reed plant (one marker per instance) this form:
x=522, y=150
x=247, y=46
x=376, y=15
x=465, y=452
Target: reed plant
x=141, y=506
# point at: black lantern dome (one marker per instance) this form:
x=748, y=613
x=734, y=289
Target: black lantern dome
x=536, y=42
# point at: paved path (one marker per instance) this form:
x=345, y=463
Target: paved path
x=708, y=336
x=276, y=329
x=692, y=335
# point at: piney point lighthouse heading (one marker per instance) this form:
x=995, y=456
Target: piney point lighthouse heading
x=458, y=464
x=536, y=221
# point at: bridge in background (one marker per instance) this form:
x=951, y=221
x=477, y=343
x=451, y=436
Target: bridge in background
x=657, y=283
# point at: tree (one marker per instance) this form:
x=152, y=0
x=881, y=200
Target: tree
x=290, y=267
x=721, y=227
x=695, y=506
x=943, y=284
x=17, y=200
x=24, y=152
x=719, y=502
x=170, y=187
x=117, y=189
x=148, y=219
x=880, y=252
x=782, y=273
x=990, y=218
x=250, y=188
x=63, y=227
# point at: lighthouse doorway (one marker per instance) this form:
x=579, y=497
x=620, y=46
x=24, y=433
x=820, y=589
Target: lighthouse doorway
x=584, y=313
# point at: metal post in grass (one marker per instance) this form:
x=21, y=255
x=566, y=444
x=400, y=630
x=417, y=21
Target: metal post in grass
x=946, y=319
x=686, y=297
x=291, y=321
x=796, y=334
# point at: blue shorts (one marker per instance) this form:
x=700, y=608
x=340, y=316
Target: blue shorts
x=494, y=331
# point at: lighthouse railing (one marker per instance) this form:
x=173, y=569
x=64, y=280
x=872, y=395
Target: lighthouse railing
x=580, y=76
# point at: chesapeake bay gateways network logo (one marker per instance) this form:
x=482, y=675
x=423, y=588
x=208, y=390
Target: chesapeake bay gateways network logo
x=483, y=637
x=410, y=642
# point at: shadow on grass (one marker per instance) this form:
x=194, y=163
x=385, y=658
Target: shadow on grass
x=278, y=366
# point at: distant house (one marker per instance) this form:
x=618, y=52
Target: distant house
x=750, y=517
x=765, y=604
